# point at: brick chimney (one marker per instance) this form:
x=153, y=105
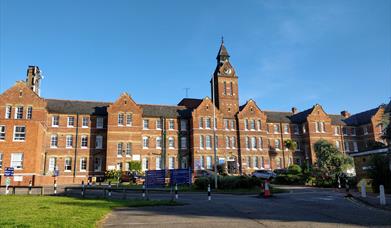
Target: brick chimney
x=33, y=79
x=294, y=110
x=345, y=114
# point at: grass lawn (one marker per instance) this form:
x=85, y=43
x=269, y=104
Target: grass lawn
x=52, y=211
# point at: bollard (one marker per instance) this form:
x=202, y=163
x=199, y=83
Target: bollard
x=209, y=196
x=143, y=192
x=339, y=183
x=30, y=185
x=347, y=188
x=82, y=188
x=176, y=191
x=266, y=192
x=55, y=186
x=363, y=189
x=109, y=193
x=382, y=196
x=7, y=189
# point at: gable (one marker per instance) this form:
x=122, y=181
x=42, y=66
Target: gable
x=20, y=94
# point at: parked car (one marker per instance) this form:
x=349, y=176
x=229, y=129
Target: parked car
x=264, y=174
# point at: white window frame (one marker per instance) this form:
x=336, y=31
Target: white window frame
x=145, y=124
x=66, y=165
x=8, y=112
x=120, y=148
x=1, y=160
x=13, y=155
x=276, y=128
x=83, y=160
x=355, y=146
x=159, y=142
x=159, y=124
x=84, y=121
x=226, y=124
x=227, y=142
x=52, y=164
x=209, y=164
x=69, y=121
x=2, y=132
x=277, y=144
x=246, y=124
x=21, y=134
x=171, y=162
x=286, y=128
x=208, y=123
x=260, y=143
x=252, y=125
x=208, y=142
x=253, y=143
x=171, y=143
x=145, y=142
x=129, y=119
x=19, y=112
x=128, y=151
x=201, y=123
x=145, y=164
x=29, y=113
x=171, y=124
x=232, y=125
x=55, y=119
x=99, y=122
x=85, y=138
x=233, y=142
x=158, y=163
x=202, y=142
x=53, y=141
x=120, y=119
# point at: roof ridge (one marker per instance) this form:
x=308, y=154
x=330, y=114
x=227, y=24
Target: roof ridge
x=162, y=105
x=55, y=99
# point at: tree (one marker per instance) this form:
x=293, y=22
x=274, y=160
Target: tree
x=291, y=145
x=379, y=172
x=135, y=166
x=330, y=162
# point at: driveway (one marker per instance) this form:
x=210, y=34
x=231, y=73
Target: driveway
x=307, y=208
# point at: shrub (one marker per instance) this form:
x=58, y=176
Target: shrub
x=135, y=166
x=295, y=170
x=113, y=174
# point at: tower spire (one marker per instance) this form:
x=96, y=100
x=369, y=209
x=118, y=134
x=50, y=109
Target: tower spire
x=222, y=55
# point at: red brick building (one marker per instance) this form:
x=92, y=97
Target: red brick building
x=83, y=139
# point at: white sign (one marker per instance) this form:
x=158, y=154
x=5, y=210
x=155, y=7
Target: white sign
x=136, y=157
x=18, y=178
x=111, y=167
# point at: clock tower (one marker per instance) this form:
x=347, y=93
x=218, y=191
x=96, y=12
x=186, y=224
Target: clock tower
x=225, y=84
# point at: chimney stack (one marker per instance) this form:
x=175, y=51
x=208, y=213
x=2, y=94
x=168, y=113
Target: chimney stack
x=345, y=114
x=294, y=110
x=33, y=79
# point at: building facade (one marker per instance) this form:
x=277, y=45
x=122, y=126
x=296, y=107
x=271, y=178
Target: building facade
x=83, y=139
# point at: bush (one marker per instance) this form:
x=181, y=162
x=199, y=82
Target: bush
x=228, y=182
x=295, y=170
x=135, y=166
x=380, y=173
x=113, y=174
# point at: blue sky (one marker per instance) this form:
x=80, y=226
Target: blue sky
x=286, y=53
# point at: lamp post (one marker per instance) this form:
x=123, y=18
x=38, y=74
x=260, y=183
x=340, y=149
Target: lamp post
x=214, y=131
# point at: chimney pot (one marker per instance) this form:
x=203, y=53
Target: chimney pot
x=345, y=114
x=294, y=110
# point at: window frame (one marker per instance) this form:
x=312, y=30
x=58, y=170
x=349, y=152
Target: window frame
x=100, y=144
x=81, y=161
x=84, y=137
x=2, y=132
x=24, y=133
x=66, y=160
x=69, y=118
x=29, y=113
x=54, y=141
x=13, y=161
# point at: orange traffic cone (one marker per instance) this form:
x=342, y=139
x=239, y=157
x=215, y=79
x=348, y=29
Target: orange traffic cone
x=267, y=189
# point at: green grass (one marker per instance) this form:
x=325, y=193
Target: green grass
x=51, y=211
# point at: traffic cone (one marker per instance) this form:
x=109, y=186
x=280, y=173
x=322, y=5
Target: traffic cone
x=267, y=189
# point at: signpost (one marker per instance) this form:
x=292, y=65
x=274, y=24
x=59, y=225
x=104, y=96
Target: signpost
x=180, y=176
x=8, y=172
x=155, y=178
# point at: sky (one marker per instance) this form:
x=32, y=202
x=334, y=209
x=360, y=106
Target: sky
x=286, y=53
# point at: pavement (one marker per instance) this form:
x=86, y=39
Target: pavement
x=299, y=207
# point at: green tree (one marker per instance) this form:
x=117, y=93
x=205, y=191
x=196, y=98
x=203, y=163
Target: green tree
x=135, y=166
x=291, y=145
x=330, y=162
x=379, y=172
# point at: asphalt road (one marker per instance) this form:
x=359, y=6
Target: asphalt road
x=299, y=208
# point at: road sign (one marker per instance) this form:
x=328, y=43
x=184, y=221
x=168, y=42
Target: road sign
x=155, y=178
x=9, y=171
x=180, y=176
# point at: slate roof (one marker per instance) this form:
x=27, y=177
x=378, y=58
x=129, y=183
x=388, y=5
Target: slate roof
x=191, y=103
x=337, y=119
x=276, y=117
x=73, y=107
x=362, y=117
x=301, y=117
x=165, y=111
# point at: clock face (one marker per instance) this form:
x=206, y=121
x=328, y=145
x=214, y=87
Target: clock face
x=228, y=71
